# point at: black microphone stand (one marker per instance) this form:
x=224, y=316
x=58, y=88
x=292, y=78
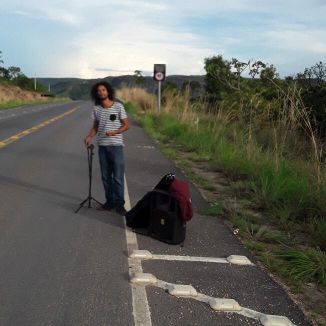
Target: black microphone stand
x=90, y=155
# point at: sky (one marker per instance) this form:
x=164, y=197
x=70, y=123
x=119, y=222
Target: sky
x=99, y=38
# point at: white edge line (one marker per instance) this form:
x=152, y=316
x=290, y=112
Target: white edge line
x=249, y=313
x=141, y=312
x=190, y=258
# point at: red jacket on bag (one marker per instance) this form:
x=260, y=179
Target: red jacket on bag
x=180, y=191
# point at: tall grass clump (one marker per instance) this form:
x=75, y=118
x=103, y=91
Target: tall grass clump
x=272, y=144
x=306, y=266
x=144, y=100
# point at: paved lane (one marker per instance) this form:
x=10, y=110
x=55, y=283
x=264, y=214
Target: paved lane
x=61, y=268
x=57, y=267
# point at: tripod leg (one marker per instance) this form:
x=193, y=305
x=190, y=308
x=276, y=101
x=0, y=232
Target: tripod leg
x=90, y=166
x=77, y=210
x=81, y=205
x=96, y=201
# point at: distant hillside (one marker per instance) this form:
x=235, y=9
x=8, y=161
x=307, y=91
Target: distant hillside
x=76, y=88
x=10, y=93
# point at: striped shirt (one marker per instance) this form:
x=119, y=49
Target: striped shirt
x=108, y=119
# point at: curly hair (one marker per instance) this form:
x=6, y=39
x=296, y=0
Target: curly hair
x=108, y=87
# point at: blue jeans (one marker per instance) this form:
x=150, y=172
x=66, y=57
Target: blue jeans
x=112, y=170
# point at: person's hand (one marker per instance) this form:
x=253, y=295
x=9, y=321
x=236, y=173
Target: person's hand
x=88, y=140
x=111, y=133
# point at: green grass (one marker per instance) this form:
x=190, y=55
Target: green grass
x=17, y=103
x=285, y=192
x=131, y=108
x=306, y=265
x=215, y=209
x=254, y=245
x=317, y=228
x=276, y=189
x=283, y=189
x=265, y=234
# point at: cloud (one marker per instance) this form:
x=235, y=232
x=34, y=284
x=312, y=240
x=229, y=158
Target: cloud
x=112, y=70
x=52, y=14
x=299, y=40
x=128, y=47
x=134, y=34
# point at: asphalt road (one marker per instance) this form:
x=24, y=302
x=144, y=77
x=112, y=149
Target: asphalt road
x=62, y=268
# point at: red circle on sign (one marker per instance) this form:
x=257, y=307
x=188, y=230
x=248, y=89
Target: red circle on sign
x=159, y=76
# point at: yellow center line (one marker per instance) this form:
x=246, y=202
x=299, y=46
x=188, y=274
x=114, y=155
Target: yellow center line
x=28, y=131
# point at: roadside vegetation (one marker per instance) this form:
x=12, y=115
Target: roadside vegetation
x=17, y=89
x=266, y=136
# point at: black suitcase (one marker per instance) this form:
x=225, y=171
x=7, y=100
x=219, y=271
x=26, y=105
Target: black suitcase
x=139, y=216
x=165, y=223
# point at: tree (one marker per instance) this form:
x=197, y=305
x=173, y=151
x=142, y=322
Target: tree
x=314, y=76
x=289, y=79
x=238, y=68
x=219, y=78
x=14, y=72
x=313, y=82
x=319, y=73
x=255, y=68
x=168, y=86
x=4, y=73
x=194, y=87
x=24, y=82
x=223, y=76
x=138, y=77
x=268, y=73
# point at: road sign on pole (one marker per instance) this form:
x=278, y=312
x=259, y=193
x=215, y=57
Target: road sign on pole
x=159, y=97
x=159, y=76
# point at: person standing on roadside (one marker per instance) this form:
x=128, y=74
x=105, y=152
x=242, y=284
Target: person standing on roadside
x=109, y=122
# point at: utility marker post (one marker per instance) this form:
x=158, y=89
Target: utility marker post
x=159, y=76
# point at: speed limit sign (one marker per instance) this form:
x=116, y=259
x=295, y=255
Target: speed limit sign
x=159, y=72
x=159, y=76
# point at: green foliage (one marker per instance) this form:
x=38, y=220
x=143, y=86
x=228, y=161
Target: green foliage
x=283, y=187
x=14, y=72
x=313, y=82
x=168, y=87
x=251, y=229
x=318, y=229
x=218, y=76
x=131, y=107
x=170, y=127
x=15, y=76
x=225, y=81
x=224, y=78
x=263, y=233
x=268, y=74
x=254, y=245
x=15, y=103
x=306, y=266
x=193, y=87
x=314, y=76
x=4, y=73
x=215, y=209
x=138, y=77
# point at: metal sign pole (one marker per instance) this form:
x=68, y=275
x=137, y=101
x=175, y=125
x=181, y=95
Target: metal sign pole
x=159, y=97
x=159, y=76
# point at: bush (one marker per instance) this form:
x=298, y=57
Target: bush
x=306, y=266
